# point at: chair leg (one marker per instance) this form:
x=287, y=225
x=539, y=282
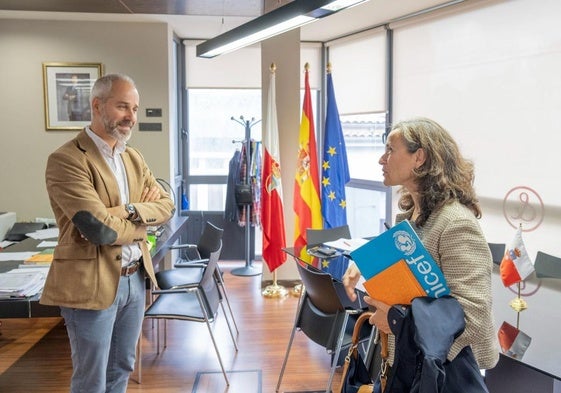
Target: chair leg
x=229, y=327
x=201, y=302
x=165, y=333
x=286, y=358
x=337, y=353
x=220, y=282
x=298, y=307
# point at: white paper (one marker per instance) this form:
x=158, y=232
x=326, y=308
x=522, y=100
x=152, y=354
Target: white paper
x=6, y=243
x=16, y=256
x=47, y=243
x=21, y=282
x=48, y=233
x=346, y=244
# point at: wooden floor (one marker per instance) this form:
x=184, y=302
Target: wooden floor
x=35, y=355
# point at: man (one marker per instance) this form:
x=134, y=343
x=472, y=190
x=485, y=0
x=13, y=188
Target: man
x=103, y=196
x=76, y=107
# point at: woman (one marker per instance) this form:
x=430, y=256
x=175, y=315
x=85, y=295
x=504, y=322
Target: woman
x=438, y=198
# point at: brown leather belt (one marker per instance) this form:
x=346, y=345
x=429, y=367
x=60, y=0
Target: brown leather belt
x=131, y=268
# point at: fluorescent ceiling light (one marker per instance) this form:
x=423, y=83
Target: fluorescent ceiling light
x=294, y=14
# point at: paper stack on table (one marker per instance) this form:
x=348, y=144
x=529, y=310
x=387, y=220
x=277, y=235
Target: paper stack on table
x=21, y=283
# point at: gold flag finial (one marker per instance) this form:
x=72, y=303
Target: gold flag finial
x=273, y=68
x=329, y=68
x=306, y=66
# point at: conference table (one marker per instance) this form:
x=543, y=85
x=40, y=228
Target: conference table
x=30, y=307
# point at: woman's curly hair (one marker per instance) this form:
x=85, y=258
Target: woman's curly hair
x=445, y=175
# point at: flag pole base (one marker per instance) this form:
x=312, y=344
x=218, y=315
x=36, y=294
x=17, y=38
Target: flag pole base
x=518, y=304
x=296, y=291
x=247, y=270
x=274, y=291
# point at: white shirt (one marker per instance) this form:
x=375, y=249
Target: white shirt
x=113, y=158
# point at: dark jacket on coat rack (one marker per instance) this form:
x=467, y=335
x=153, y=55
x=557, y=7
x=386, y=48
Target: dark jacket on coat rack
x=232, y=210
x=244, y=185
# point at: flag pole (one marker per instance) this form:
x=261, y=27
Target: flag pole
x=518, y=304
x=274, y=290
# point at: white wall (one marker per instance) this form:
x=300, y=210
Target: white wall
x=489, y=73
x=141, y=50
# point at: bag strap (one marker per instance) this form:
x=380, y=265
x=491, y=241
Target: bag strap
x=384, y=353
x=384, y=345
x=358, y=325
x=353, y=349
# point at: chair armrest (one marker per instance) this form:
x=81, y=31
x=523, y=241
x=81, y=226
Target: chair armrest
x=191, y=263
x=179, y=289
x=181, y=246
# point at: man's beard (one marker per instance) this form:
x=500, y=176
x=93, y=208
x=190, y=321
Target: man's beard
x=112, y=129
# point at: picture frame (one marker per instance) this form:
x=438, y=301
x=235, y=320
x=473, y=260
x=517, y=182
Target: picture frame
x=66, y=89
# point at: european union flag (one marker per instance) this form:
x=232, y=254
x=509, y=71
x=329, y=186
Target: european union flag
x=334, y=167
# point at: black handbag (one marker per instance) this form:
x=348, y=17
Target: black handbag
x=356, y=377
x=244, y=195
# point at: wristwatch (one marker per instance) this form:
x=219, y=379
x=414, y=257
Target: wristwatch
x=131, y=210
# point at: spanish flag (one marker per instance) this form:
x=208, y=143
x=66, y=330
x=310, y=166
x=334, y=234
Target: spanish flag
x=306, y=201
x=272, y=213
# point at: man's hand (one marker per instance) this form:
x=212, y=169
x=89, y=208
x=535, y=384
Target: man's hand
x=350, y=280
x=150, y=194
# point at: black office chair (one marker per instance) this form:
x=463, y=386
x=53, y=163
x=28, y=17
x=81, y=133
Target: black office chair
x=336, y=263
x=196, y=302
x=324, y=318
x=195, y=257
x=316, y=237
x=497, y=252
x=209, y=241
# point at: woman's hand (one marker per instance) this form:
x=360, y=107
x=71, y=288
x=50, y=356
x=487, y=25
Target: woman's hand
x=350, y=280
x=380, y=317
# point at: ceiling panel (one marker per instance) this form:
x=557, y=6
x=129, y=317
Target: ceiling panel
x=102, y=6
x=204, y=19
x=250, y=8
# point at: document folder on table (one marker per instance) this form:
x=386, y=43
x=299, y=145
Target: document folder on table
x=20, y=230
x=397, y=267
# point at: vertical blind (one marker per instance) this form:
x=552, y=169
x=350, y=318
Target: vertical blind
x=359, y=72
x=491, y=75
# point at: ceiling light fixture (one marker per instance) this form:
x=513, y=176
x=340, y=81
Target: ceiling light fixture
x=294, y=14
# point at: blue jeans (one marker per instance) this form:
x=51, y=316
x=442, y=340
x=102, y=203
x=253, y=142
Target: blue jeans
x=103, y=342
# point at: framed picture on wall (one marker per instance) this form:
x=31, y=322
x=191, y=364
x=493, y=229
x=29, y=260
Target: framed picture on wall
x=66, y=88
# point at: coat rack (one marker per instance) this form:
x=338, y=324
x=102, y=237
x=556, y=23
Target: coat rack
x=248, y=269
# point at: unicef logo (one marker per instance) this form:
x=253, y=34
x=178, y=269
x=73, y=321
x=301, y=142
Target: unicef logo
x=404, y=242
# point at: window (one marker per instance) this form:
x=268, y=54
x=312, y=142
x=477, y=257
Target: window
x=365, y=141
x=213, y=139
x=366, y=194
